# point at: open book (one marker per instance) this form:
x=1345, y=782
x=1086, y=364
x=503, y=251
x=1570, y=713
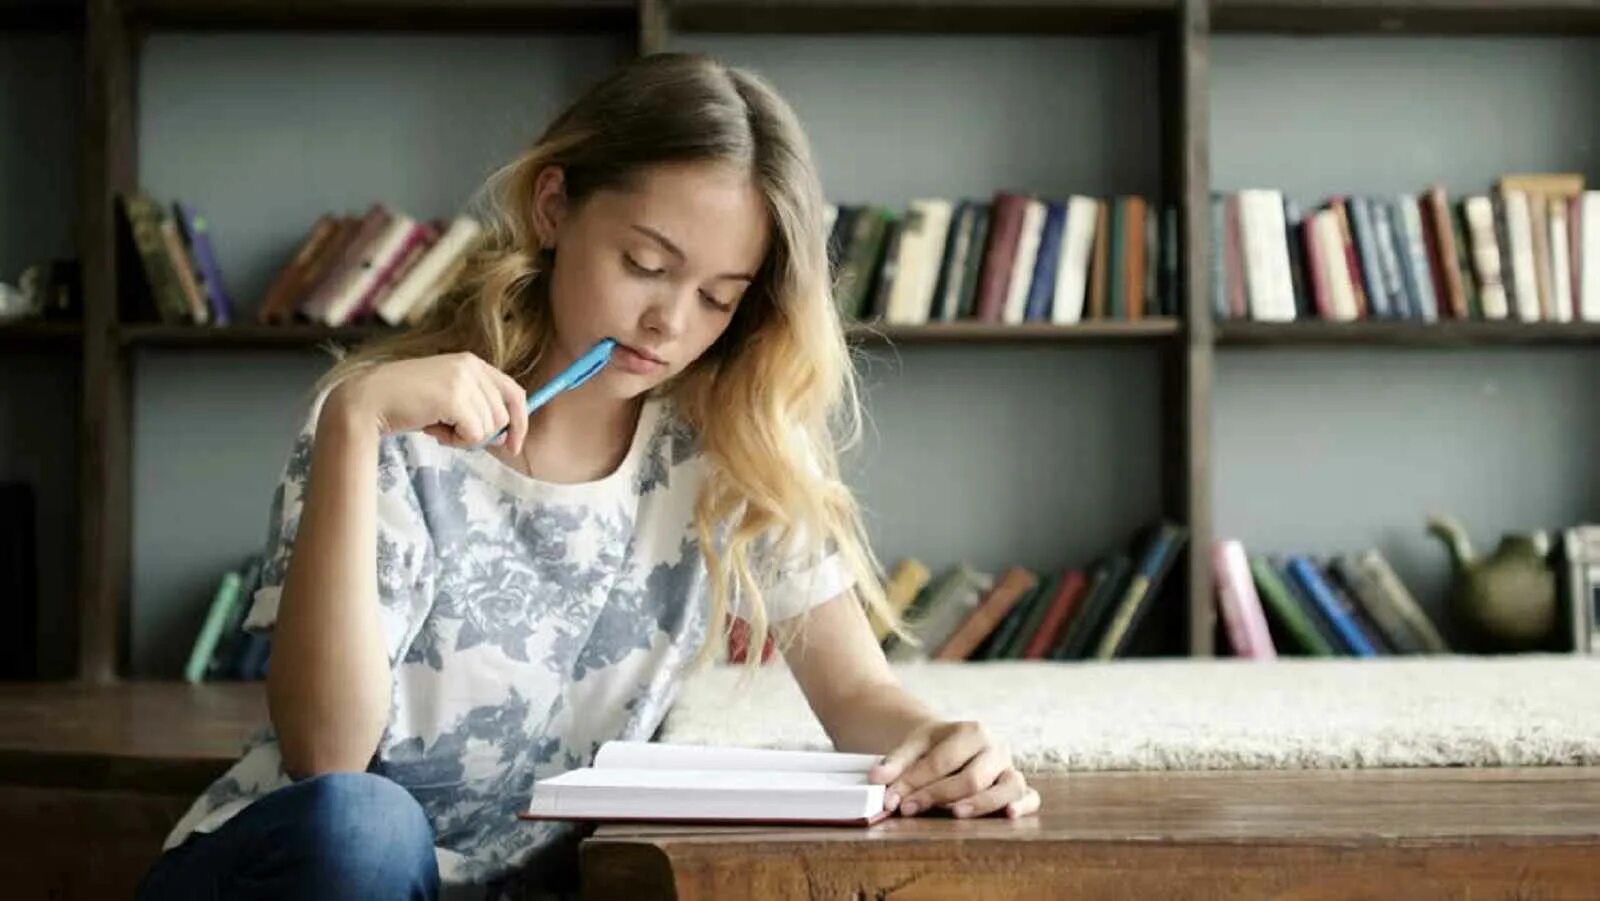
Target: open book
x=634, y=781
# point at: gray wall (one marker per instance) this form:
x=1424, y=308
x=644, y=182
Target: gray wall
x=265, y=132
x=1325, y=451
x=41, y=86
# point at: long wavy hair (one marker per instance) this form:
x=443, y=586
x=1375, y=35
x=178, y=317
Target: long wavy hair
x=773, y=401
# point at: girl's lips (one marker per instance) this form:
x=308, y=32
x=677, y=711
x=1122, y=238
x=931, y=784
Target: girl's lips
x=635, y=361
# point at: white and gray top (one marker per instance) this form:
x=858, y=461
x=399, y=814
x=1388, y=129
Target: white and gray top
x=526, y=622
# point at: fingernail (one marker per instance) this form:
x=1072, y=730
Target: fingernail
x=910, y=808
x=891, y=801
x=962, y=810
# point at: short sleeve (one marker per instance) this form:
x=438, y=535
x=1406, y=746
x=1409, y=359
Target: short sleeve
x=795, y=581
x=404, y=552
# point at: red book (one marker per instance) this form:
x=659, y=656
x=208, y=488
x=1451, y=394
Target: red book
x=1056, y=618
x=994, y=278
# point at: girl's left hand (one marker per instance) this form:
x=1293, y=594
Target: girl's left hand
x=956, y=765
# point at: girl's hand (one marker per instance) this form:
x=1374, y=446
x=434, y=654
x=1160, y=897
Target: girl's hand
x=457, y=398
x=955, y=765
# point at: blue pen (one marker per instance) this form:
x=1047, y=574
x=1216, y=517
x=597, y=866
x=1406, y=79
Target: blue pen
x=581, y=370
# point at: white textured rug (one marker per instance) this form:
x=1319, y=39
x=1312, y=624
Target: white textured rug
x=1156, y=714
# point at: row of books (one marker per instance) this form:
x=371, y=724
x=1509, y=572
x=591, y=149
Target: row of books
x=1519, y=252
x=1346, y=605
x=1078, y=612
x=1011, y=259
x=380, y=266
x=967, y=614
x=383, y=266
x=222, y=649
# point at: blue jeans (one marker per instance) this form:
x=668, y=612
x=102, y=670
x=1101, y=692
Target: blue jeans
x=339, y=835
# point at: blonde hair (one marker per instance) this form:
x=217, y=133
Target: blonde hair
x=773, y=401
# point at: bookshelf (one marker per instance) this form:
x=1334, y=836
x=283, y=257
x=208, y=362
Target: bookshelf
x=1178, y=359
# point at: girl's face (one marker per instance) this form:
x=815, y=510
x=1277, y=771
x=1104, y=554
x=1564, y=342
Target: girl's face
x=660, y=267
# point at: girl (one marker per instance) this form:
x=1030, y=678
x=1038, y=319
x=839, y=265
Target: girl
x=451, y=625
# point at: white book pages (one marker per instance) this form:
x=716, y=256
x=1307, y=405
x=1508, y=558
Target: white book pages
x=658, y=755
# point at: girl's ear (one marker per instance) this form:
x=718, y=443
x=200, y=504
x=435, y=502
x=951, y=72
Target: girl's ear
x=549, y=204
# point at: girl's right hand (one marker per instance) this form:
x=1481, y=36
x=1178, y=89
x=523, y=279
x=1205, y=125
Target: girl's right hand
x=457, y=398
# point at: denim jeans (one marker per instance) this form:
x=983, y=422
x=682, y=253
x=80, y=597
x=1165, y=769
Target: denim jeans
x=339, y=835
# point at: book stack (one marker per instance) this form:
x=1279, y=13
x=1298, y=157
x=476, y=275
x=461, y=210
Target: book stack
x=182, y=282
x=1084, y=612
x=382, y=266
x=1521, y=252
x=1349, y=605
x=223, y=649
x=1011, y=259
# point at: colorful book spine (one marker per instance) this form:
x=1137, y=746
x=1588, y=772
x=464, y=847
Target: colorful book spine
x=1322, y=595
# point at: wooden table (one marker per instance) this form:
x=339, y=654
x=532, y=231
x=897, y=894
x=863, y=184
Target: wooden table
x=1303, y=834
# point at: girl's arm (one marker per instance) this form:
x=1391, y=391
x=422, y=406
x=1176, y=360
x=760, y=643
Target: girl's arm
x=328, y=688
x=839, y=666
x=928, y=762
x=329, y=685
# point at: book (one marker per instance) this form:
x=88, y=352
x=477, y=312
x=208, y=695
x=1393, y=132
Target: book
x=635, y=781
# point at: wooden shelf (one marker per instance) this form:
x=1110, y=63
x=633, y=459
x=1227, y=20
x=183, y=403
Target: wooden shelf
x=919, y=16
x=1406, y=334
x=387, y=15
x=37, y=334
x=1407, y=16
x=1143, y=330
x=244, y=337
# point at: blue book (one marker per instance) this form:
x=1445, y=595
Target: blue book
x=1363, y=230
x=1322, y=595
x=1402, y=252
x=1043, y=288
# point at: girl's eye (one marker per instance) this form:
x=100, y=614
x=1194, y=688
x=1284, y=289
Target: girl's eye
x=636, y=267
x=717, y=305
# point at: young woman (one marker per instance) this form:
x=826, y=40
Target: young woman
x=451, y=624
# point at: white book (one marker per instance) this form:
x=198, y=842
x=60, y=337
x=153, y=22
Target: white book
x=1016, y=305
x=1072, y=269
x=1479, y=211
x=634, y=781
x=1270, y=279
x=1519, y=233
x=1560, y=261
x=1330, y=246
x=926, y=225
x=423, y=276
x=1589, y=256
x=342, y=303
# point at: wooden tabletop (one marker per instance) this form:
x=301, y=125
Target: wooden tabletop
x=159, y=735
x=1410, y=833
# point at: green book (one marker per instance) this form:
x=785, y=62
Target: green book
x=1280, y=602
x=222, y=604
x=994, y=646
x=1109, y=581
x=1144, y=586
x=1038, y=606
x=967, y=301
